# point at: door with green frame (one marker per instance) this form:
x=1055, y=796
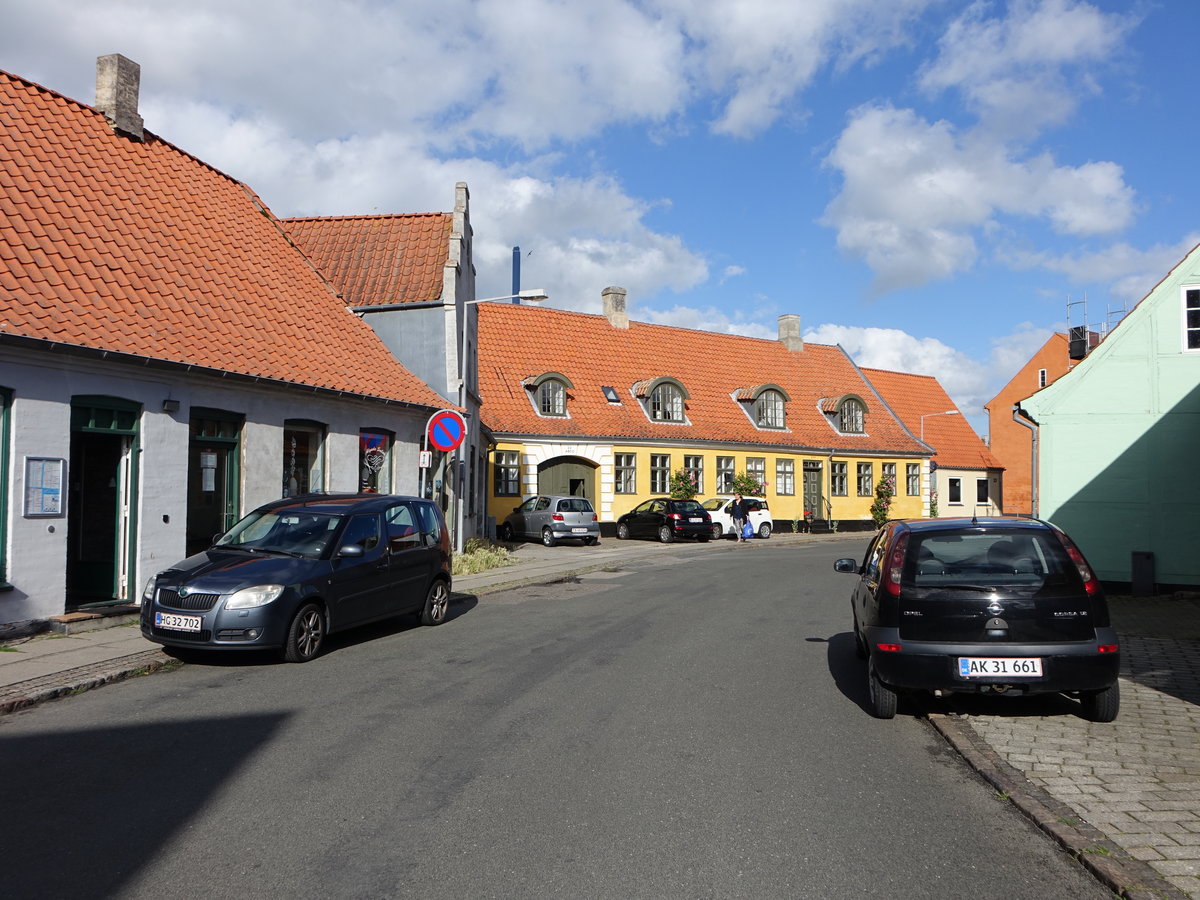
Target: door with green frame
x=214, y=480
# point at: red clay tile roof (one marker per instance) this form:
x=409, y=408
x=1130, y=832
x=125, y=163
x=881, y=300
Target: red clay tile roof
x=913, y=396
x=378, y=260
x=516, y=341
x=139, y=248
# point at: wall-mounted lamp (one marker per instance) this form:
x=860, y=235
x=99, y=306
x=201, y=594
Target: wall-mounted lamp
x=170, y=405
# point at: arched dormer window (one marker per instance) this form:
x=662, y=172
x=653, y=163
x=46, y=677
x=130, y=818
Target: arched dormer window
x=550, y=393
x=769, y=408
x=851, y=416
x=663, y=399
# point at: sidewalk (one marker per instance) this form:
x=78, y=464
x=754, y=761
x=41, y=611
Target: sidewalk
x=1123, y=798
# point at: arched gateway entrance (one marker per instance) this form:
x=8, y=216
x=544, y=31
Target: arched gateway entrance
x=568, y=476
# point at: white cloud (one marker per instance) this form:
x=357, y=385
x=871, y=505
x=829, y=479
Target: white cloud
x=1026, y=69
x=915, y=195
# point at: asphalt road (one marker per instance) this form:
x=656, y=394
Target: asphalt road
x=690, y=727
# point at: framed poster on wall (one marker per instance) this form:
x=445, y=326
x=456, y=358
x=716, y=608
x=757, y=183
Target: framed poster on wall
x=44, y=481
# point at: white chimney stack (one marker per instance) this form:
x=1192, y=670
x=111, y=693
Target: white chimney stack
x=118, y=80
x=614, y=306
x=789, y=332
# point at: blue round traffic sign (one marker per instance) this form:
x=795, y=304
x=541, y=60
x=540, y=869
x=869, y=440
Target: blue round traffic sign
x=447, y=430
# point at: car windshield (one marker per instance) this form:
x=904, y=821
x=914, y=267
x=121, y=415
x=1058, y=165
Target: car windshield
x=291, y=532
x=713, y=505
x=1021, y=561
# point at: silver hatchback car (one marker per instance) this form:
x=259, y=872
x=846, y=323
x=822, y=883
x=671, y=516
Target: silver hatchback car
x=553, y=519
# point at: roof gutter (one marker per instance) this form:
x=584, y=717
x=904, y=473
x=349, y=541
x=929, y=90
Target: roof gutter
x=1021, y=417
x=150, y=362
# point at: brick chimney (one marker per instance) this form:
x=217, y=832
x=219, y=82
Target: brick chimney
x=614, y=307
x=789, y=332
x=117, y=82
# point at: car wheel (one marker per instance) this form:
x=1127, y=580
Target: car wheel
x=717, y=531
x=1101, y=706
x=305, y=635
x=622, y=531
x=591, y=542
x=665, y=534
x=883, y=698
x=764, y=530
x=547, y=537
x=437, y=602
x=506, y=533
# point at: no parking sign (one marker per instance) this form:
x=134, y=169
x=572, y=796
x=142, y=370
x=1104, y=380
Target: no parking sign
x=446, y=431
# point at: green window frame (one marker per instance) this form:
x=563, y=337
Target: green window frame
x=726, y=472
x=913, y=487
x=866, y=479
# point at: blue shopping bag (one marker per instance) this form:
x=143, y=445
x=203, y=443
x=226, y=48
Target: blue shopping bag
x=747, y=530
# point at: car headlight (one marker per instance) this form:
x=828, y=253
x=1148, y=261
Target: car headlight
x=148, y=590
x=259, y=595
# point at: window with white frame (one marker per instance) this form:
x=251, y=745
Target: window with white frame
x=694, y=466
x=913, y=486
x=955, y=491
x=303, y=457
x=660, y=473
x=508, y=473
x=756, y=468
x=850, y=417
x=866, y=479
x=1041, y=378
x=769, y=409
x=889, y=471
x=837, y=479
x=666, y=403
x=625, y=473
x=1191, y=318
x=785, y=477
x=552, y=398
x=725, y=474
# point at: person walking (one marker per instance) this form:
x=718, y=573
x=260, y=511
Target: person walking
x=740, y=511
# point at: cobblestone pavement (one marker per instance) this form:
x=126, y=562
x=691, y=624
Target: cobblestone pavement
x=1136, y=780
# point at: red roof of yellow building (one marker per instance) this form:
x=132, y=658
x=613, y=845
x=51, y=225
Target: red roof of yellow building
x=914, y=396
x=114, y=244
x=518, y=342
x=378, y=260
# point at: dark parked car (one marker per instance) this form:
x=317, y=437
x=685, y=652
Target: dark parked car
x=666, y=519
x=553, y=519
x=998, y=606
x=298, y=569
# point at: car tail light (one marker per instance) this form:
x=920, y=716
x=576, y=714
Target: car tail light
x=1107, y=648
x=1090, y=582
x=675, y=516
x=889, y=648
x=558, y=517
x=893, y=566
x=594, y=519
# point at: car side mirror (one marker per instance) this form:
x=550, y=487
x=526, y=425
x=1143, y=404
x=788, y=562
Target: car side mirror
x=846, y=566
x=350, y=551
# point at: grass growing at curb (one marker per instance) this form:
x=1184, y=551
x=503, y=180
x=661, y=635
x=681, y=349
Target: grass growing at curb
x=480, y=555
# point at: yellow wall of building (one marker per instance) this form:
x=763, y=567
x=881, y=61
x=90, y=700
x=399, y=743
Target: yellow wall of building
x=784, y=506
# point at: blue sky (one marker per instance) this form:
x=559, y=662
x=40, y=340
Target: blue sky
x=927, y=183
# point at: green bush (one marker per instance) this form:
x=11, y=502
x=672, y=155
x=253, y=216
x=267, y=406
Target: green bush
x=480, y=555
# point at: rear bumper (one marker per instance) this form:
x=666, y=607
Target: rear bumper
x=1066, y=667
x=564, y=532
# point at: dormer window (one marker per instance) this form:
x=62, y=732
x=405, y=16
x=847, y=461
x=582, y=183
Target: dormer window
x=768, y=409
x=850, y=416
x=549, y=394
x=666, y=403
x=552, y=398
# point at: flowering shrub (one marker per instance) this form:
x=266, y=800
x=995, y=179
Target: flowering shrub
x=747, y=485
x=683, y=485
x=884, y=492
x=933, y=498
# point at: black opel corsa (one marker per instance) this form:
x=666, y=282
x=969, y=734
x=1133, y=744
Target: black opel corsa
x=991, y=606
x=295, y=570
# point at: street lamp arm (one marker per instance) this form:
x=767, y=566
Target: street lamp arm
x=949, y=412
x=533, y=296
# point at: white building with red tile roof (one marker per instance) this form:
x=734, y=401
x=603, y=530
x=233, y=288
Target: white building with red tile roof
x=168, y=359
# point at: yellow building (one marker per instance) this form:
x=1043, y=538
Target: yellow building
x=601, y=407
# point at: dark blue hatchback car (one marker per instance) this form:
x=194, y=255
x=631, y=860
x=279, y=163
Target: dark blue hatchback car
x=295, y=570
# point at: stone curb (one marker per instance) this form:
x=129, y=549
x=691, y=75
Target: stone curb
x=30, y=693
x=1125, y=876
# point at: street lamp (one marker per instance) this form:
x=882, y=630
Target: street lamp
x=533, y=296
x=949, y=412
